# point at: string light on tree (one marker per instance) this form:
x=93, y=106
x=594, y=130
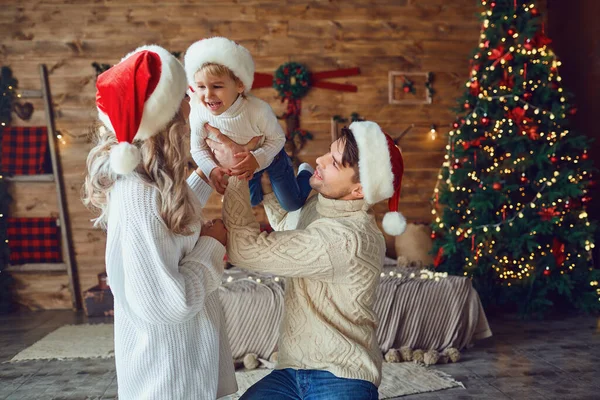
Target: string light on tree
x=509, y=200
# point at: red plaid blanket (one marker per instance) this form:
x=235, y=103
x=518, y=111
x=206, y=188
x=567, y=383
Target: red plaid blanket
x=33, y=240
x=24, y=150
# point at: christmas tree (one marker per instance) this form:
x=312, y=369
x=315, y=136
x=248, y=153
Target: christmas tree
x=509, y=206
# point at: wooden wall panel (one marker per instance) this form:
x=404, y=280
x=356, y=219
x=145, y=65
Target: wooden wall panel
x=376, y=35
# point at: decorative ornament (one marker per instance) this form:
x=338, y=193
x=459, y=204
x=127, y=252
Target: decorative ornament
x=553, y=159
x=455, y=125
x=510, y=31
x=499, y=55
x=572, y=110
x=467, y=105
x=524, y=179
x=558, y=251
x=508, y=81
x=586, y=199
x=292, y=81
x=532, y=132
x=529, y=44
x=485, y=121
x=475, y=87
x=548, y=213
x=535, y=12
x=584, y=156
x=547, y=272
x=497, y=186
x=527, y=96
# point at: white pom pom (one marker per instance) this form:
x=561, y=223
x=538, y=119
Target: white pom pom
x=124, y=157
x=394, y=223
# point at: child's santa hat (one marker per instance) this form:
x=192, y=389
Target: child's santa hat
x=220, y=50
x=137, y=98
x=380, y=167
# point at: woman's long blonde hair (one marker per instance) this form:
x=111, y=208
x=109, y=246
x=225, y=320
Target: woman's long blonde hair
x=163, y=165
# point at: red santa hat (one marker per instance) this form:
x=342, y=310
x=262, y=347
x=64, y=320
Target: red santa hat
x=380, y=167
x=137, y=98
x=222, y=51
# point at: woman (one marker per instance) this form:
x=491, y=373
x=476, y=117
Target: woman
x=163, y=266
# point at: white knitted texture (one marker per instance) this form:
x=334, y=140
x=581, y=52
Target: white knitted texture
x=333, y=261
x=170, y=341
x=245, y=119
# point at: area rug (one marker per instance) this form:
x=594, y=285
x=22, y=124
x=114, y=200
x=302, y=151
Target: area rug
x=72, y=341
x=97, y=341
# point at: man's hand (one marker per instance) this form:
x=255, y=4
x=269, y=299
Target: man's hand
x=218, y=179
x=225, y=149
x=216, y=230
x=245, y=168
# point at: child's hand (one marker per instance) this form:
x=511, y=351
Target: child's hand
x=245, y=168
x=218, y=179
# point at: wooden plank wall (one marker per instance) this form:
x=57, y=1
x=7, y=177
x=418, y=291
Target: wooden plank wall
x=377, y=36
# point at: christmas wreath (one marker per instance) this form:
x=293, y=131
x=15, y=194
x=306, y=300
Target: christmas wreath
x=292, y=80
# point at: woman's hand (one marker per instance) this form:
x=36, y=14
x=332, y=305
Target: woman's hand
x=225, y=149
x=216, y=230
x=218, y=179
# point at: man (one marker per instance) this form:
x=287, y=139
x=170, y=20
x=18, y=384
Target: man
x=332, y=255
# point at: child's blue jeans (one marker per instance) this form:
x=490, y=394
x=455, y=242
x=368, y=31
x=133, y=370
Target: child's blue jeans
x=291, y=190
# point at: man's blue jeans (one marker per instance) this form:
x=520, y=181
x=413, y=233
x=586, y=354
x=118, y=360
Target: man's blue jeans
x=292, y=384
x=291, y=190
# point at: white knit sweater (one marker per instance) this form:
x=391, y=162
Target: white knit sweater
x=246, y=118
x=170, y=338
x=332, y=258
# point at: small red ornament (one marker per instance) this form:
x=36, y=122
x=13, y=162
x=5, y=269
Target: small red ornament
x=456, y=166
x=547, y=272
x=485, y=121
x=455, y=125
x=467, y=106
x=528, y=44
x=527, y=95
x=573, y=111
x=511, y=31
x=534, y=12
x=493, y=4
x=567, y=205
x=524, y=179
x=586, y=199
x=553, y=159
x=406, y=89
x=532, y=132
x=433, y=235
x=497, y=186
x=584, y=156
x=548, y=213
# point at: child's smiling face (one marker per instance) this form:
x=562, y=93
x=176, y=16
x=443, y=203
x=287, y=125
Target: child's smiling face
x=217, y=92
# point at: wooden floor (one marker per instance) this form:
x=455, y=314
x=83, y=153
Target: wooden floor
x=556, y=359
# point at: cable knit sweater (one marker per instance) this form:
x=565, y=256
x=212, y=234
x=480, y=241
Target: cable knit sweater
x=170, y=338
x=333, y=260
x=244, y=119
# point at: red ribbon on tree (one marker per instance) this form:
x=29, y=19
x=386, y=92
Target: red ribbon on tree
x=439, y=257
x=558, y=251
x=499, y=54
x=508, y=80
x=472, y=143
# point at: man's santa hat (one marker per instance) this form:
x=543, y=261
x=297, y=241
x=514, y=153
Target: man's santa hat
x=137, y=98
x=380, y=167
x=222, y=51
